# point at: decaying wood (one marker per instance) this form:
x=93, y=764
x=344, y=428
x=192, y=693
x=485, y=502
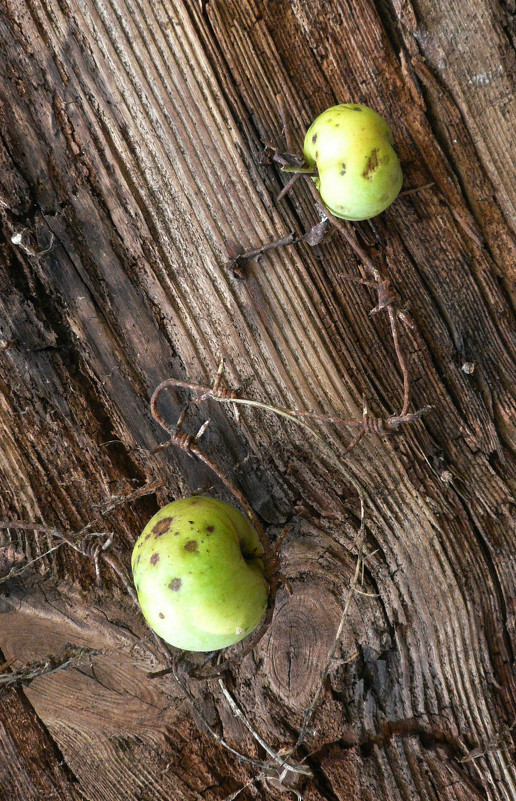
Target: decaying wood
x=131, y=149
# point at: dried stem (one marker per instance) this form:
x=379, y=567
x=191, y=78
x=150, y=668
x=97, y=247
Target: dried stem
x=299, y=170
x=416, y=189
x=83, y=541
x=235, y=795
x=241, y=757
x=239, y=258
x=386, y=300
x=288, y=186
x=189, y=443
x=300, y=769
x=368, y=423
x=386, y=297
x=18, y=525
x=401, y=360
x=70, y=656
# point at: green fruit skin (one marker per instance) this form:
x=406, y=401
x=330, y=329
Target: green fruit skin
x=195, y=588
x=359, y=173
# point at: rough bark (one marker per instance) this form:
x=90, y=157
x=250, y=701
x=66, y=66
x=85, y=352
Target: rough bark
x=130, y=145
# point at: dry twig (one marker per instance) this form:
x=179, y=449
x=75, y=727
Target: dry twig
x=69, y=656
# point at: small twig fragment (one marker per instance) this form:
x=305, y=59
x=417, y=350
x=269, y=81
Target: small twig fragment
x=238, y=259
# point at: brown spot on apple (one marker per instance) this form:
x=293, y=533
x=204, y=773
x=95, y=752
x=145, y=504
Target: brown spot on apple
x=372, y=164
x=154, y=558
x=175, y=585
x=192, y=546
x=162, y=526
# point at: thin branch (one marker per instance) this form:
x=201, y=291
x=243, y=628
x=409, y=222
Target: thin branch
x=146, y=489
x=189, y=443
x=237, y=258
x=288, y=186
x=415, y=189
x=77, y=540
x=368, y=423
x=252, y=781
x=18, y=525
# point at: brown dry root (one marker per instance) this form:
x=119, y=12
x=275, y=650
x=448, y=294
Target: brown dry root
x=368, y=424
x=387, y=301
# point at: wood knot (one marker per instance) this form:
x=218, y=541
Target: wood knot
x=300, y=637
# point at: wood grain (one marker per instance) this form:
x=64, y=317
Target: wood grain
x=130, y=143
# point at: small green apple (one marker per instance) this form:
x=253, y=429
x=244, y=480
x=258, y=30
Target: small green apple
x=199, y=575
x=359, y=174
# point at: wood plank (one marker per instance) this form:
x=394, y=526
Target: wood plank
x=130, y=145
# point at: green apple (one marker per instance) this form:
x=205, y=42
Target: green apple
x=359, y=174
x=199, y=575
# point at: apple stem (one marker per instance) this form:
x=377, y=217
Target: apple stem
x=300, y=170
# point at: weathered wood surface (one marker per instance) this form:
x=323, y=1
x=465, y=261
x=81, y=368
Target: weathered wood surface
x=131, y=136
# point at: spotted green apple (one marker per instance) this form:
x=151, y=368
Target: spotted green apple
x=199, y=575
x=359, y=173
